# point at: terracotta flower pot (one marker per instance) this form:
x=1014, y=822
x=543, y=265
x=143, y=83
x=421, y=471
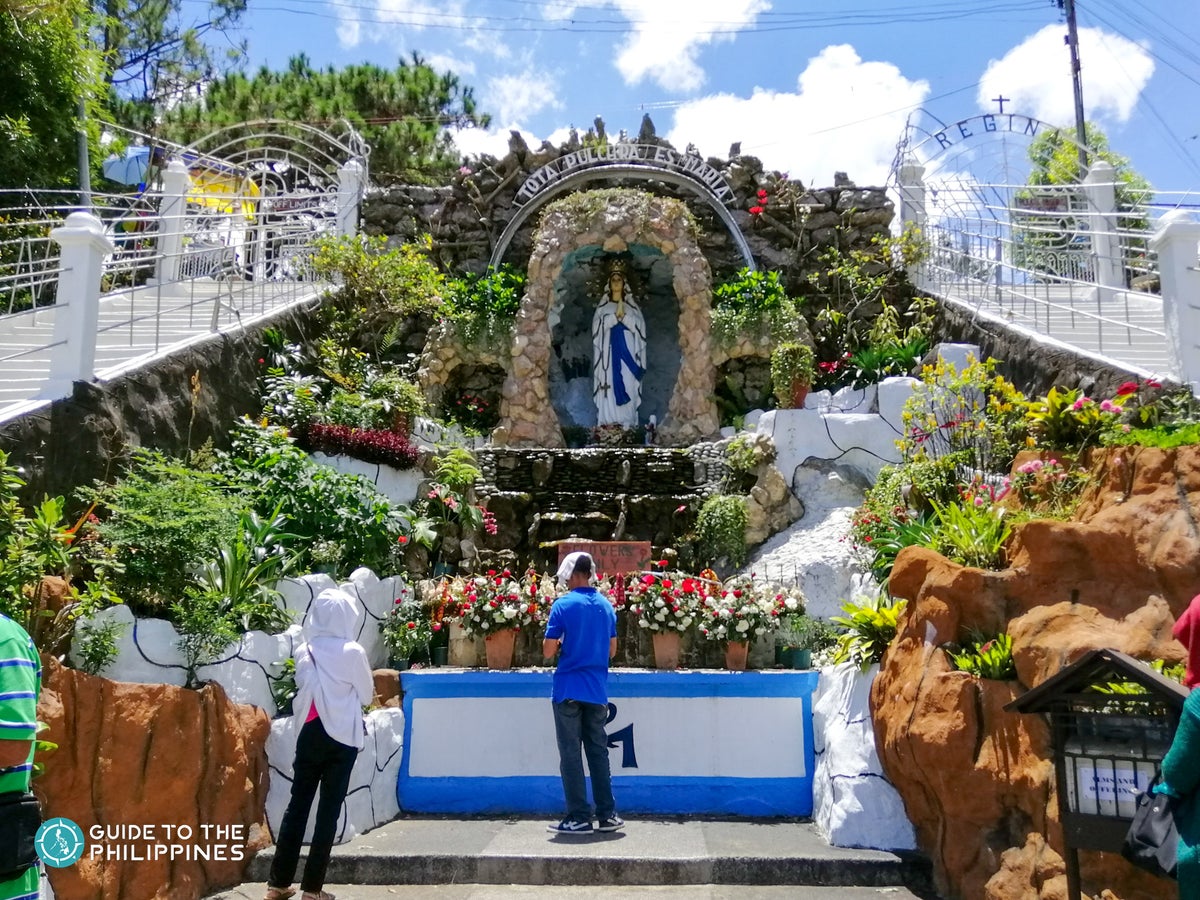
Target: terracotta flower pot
x=800, y=391
x=735, y=655
x=499, y=647
x=666, y=649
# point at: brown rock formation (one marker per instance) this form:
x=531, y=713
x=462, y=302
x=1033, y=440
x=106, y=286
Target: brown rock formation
x=978, y=782
x=151, y=754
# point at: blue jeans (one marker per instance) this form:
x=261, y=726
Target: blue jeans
x=581, y=725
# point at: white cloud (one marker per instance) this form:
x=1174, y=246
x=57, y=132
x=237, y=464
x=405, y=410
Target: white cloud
x=846, y=115
x=492, y=141
x=1036, y=75
x=444, y=62
x=668, y=35
x=515, y=98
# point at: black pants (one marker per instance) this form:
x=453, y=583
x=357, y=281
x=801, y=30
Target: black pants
x=320, y=761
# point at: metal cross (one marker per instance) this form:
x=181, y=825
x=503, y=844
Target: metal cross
x=1002, y=100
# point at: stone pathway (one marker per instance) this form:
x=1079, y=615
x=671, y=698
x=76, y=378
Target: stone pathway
x=812, y=552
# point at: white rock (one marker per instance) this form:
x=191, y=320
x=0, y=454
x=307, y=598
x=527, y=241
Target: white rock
x=861, y=441
x=853, y=400
x=956, y=354
x=751, y=420
x=371, y=798
x=893, y=394
x=398, y=485
x=854, y=805
x=728, y=431
x=147, y=651
x=246, y=668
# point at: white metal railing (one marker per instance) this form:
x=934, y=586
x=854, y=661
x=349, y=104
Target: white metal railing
x=93, y=293
x=1077, y=263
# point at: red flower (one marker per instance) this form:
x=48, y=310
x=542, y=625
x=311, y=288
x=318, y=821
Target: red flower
x=737, y=592
x=402, y=540
x=261, y=360
x=756, y=210
x=411, y=626
x=762, y=195
x=437, y=626
x=1129, y=387
x=1152, y=383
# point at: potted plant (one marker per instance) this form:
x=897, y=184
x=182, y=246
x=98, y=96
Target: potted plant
x=666, y=604
x=740, y=611
x=496, y=605
x=407, y=629
x=801, y=636
x=793, y=368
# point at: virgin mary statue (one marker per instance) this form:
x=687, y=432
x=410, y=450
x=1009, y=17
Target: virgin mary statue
x=619, y=351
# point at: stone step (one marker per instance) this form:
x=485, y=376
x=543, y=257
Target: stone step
x=651, y=851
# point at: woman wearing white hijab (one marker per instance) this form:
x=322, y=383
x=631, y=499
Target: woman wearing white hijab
x=333, y=684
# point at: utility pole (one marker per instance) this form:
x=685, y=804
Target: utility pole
x=1068, y=6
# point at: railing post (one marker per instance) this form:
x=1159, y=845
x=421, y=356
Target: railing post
x=911, y=185
x=171, y=216
x=1176, y=242
x=77, y=305
x=350, y=186
x=1100, y=189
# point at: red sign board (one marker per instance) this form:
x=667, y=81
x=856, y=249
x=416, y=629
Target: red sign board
x=612, y=557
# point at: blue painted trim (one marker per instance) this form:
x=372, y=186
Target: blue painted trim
x=663, y=794
x=784, y=683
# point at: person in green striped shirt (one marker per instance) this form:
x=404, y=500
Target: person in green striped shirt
x=20, y=683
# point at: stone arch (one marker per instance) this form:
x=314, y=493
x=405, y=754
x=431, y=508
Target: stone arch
x=613, y=220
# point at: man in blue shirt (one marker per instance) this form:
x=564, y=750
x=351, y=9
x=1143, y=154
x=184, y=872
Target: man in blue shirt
x=584, y=625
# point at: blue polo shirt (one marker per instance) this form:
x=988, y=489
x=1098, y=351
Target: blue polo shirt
x=585, y=622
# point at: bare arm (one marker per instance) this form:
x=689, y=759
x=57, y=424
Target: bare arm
x=612, y=647
x=550, y=648
x=14, y=753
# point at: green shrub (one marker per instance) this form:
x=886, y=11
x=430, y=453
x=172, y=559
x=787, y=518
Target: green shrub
x=986, y=658
x=95, y=645
x=1067, y=420
x=344, y=515
x=750, y=302
x=868, y=629
x=1162, y=436
x=374, y=280
x=245, y=571
x=159, y=522
x=970, y=532
x=975, y=415
x=721, y=529
x=803, y=632
x=205, y=630
x=484, y=307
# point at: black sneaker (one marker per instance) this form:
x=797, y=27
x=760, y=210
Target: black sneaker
x=612, y=823
x=570, y=826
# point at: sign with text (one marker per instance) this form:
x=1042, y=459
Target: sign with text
x=483, y=742
x=650, y=156
x=612, y=557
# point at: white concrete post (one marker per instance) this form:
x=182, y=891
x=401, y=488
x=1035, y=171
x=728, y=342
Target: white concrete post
x=350, y=188
x=1176, y=242
x=1099, y=186
x=171, y=216
x=911, y=184
x=912, y=193
x=77, y=305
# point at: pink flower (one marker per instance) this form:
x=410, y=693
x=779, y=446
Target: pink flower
x=1109, y=407
x=1079, y=404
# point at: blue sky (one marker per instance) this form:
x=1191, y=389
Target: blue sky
x=810, y=87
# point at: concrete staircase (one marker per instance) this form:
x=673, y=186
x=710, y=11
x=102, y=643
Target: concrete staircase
x=684, y=852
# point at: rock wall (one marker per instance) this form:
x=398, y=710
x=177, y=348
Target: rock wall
x=977, y=781
x=150, y=755
x=148, y=651
x=81, y=438
x=465, y=219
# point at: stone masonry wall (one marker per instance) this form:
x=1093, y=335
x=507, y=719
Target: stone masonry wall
x=466, y=218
